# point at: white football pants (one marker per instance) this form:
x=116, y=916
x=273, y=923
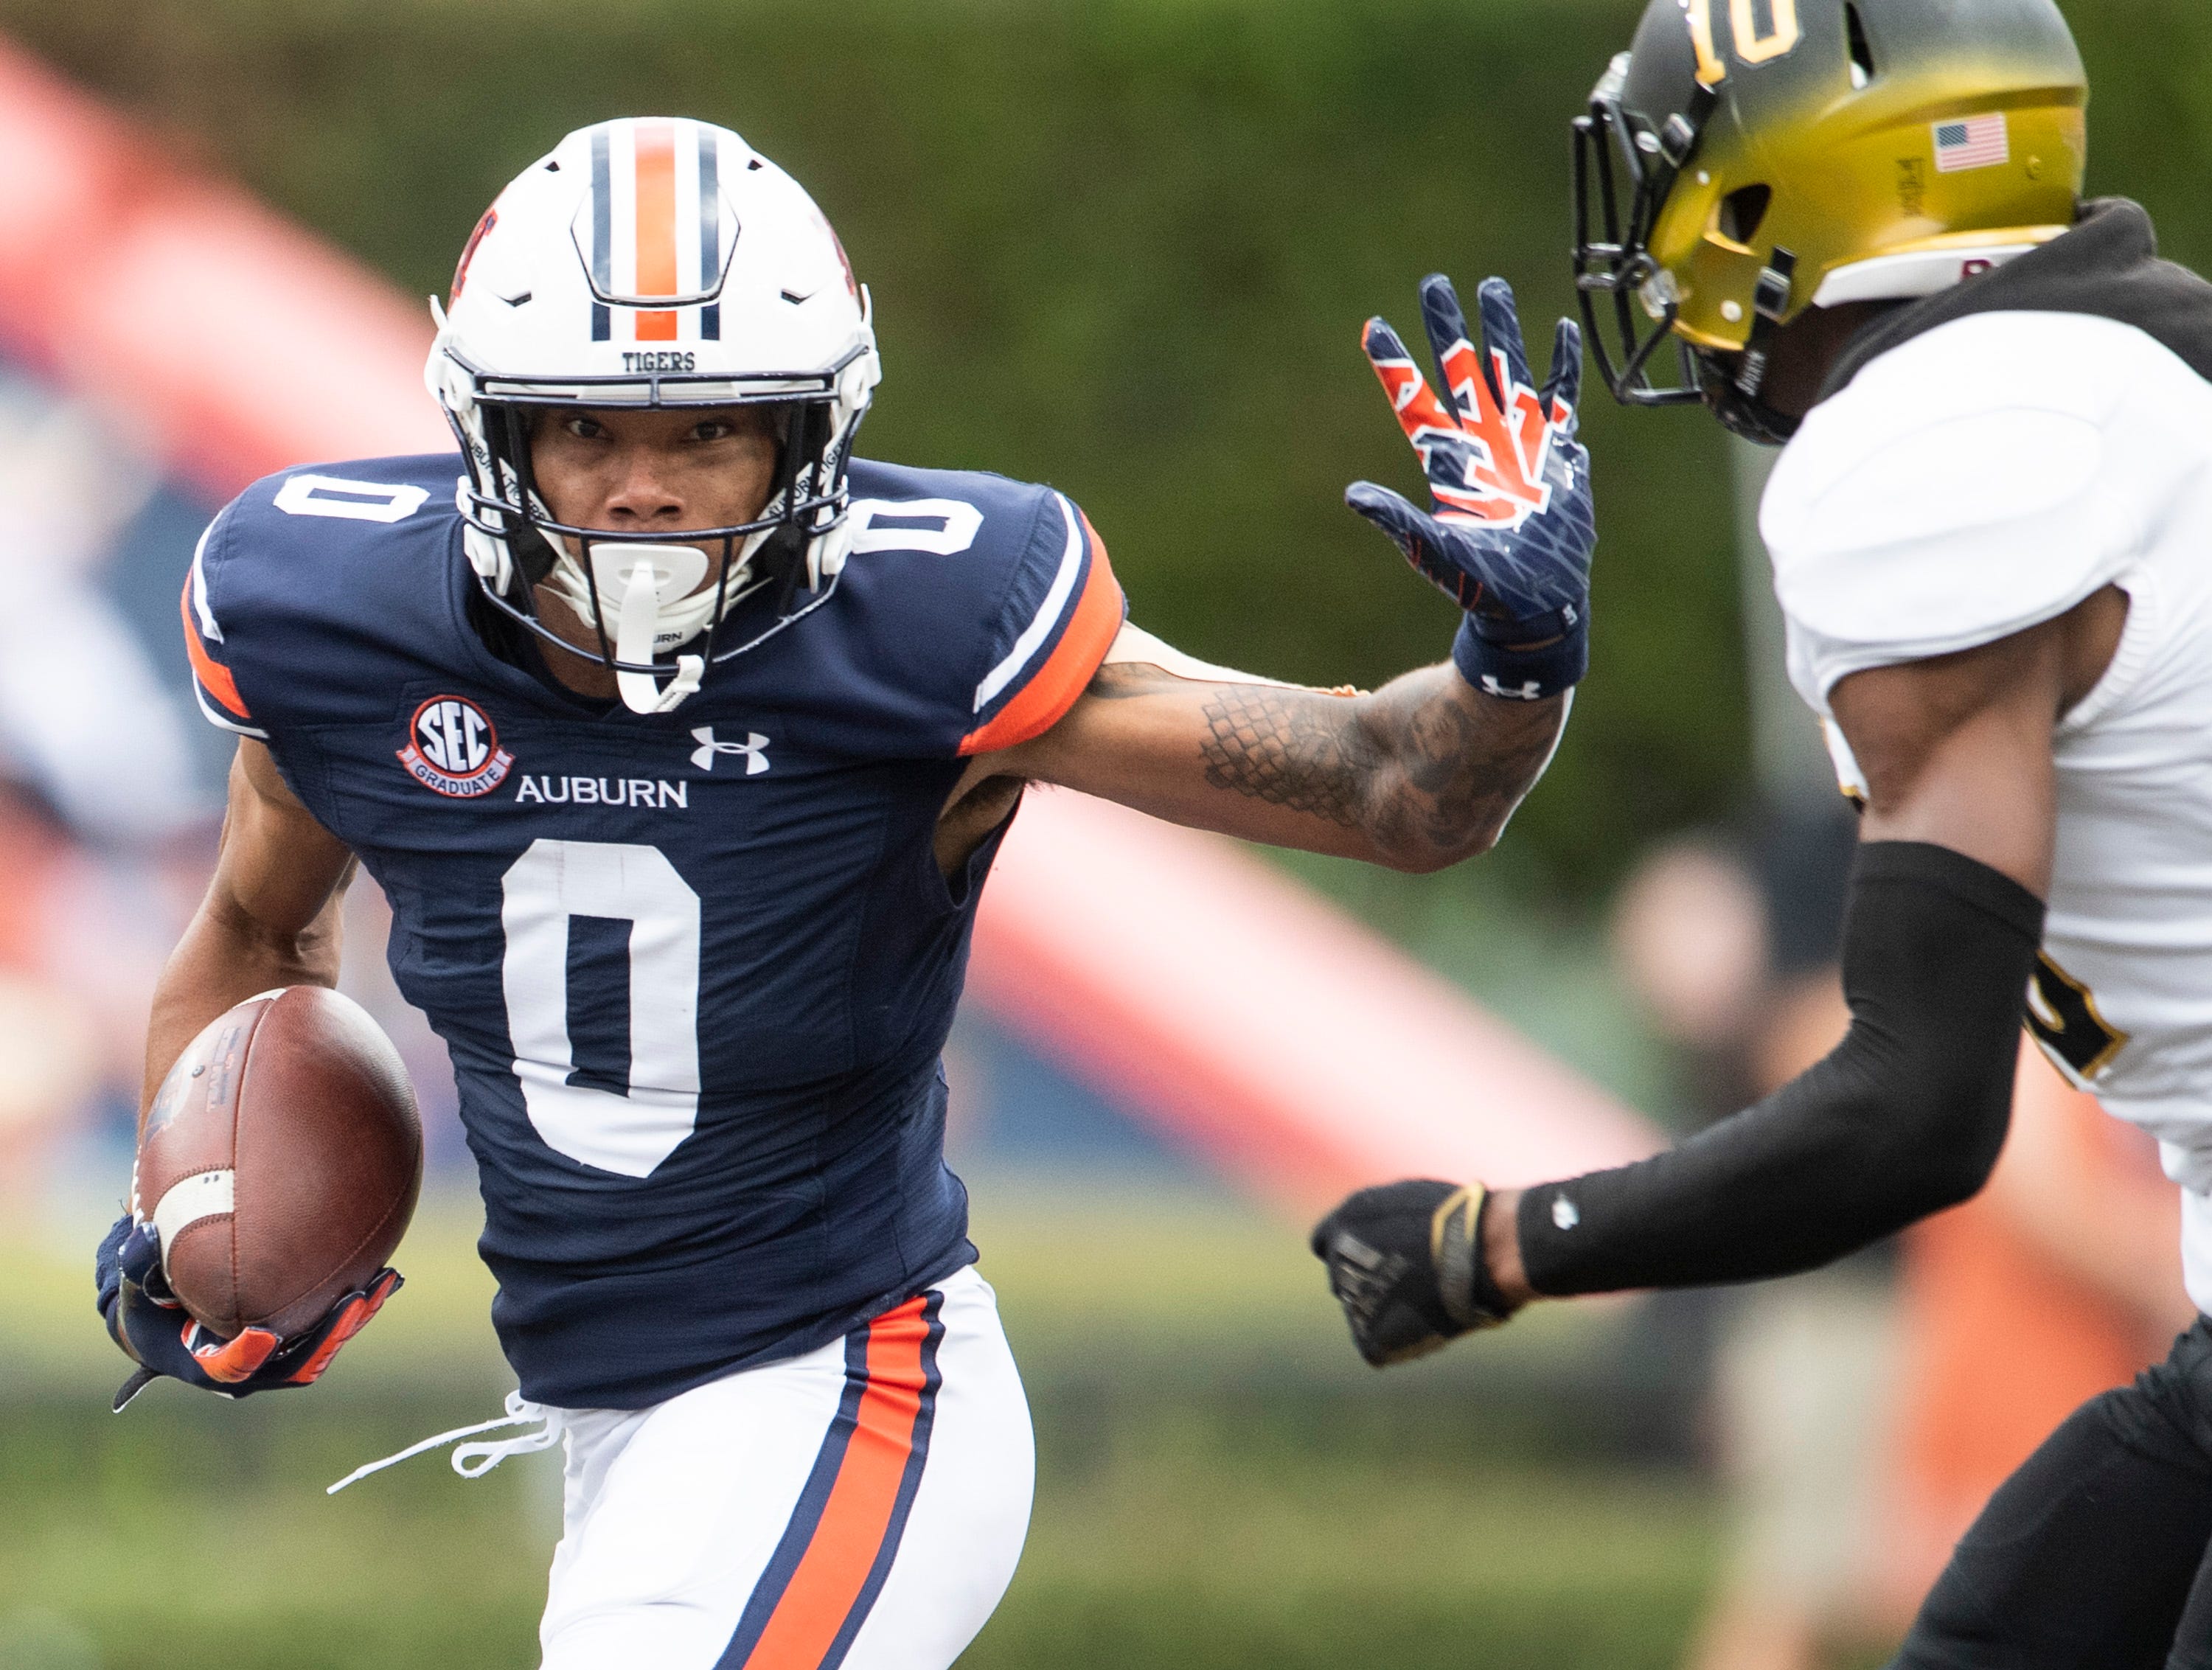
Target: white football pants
x=860, y=1507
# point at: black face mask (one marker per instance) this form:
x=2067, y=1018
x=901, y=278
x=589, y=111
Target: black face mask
x=1625, y=166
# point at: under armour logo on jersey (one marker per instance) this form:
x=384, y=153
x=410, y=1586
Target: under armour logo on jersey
x=754, y=748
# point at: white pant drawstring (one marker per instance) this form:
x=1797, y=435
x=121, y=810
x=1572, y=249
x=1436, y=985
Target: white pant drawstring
x=474, y=1461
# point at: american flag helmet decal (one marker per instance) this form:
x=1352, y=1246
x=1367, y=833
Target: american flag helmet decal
x=1971, y=142
x=656, y=230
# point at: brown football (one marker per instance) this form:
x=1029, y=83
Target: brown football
x=281, y=1161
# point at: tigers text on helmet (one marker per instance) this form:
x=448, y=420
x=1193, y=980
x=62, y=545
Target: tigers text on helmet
x=1747, y=159
x=655, y=261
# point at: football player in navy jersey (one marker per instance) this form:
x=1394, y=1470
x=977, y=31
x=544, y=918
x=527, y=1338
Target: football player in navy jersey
x=682, y=742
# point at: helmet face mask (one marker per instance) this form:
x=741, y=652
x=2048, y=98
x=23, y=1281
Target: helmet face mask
x=743, y=558
x=1743, y=163
x=654, y=231
x=1623, y=170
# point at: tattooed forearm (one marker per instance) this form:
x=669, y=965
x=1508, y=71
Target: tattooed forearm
x=1420, y=775
x=1290, y=748
x=1427, y=768
x=1463, y=761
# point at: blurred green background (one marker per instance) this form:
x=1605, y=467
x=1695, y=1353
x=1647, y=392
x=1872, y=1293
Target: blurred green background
x=1220, y=1482
x=1124, y=246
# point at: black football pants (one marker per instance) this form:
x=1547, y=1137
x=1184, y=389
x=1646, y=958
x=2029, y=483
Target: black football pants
x=2093, y=1555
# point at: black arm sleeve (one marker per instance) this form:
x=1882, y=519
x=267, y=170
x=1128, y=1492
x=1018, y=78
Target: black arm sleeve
x=1903, y=1119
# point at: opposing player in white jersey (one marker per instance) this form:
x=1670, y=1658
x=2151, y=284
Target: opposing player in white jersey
x=682, y=741
x=1856, y=222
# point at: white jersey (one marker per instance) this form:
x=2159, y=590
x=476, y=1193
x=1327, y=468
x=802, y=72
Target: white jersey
x=1980, y=478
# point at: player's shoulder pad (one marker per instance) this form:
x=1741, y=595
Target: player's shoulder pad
x=1978, y=479
x=305, y=556
x=990, y=602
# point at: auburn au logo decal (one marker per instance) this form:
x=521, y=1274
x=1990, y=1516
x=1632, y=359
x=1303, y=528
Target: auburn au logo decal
x=1486, y=462
x=469, y=252
x=453, y=747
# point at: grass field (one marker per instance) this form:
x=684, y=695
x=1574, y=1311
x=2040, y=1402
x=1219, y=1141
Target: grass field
x=1194, y=1543
x=1220, y=1484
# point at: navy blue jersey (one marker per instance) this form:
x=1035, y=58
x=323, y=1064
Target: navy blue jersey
x=695, y=969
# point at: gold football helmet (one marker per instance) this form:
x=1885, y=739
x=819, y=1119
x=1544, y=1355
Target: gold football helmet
x=1747, y=159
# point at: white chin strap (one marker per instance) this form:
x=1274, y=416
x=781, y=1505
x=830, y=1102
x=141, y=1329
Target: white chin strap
x=633, y=580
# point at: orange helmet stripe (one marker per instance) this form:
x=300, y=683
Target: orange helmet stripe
x=656, y=225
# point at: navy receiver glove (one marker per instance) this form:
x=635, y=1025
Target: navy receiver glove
x=1512, y=528
x=1404, y=1260
x=155, y=1331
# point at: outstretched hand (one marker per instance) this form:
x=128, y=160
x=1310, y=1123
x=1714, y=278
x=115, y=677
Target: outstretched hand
x=1511, y=529
x=1405, y=1261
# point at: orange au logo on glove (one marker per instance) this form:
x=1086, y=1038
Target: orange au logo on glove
x=1498, y=451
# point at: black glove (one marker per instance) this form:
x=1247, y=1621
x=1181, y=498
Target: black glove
x=156, y=1332
x=1404, y=1260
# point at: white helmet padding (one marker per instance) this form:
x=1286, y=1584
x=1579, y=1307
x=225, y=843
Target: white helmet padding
x=655, y=262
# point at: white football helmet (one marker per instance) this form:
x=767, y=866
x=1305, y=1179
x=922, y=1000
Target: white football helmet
x=655, y=261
